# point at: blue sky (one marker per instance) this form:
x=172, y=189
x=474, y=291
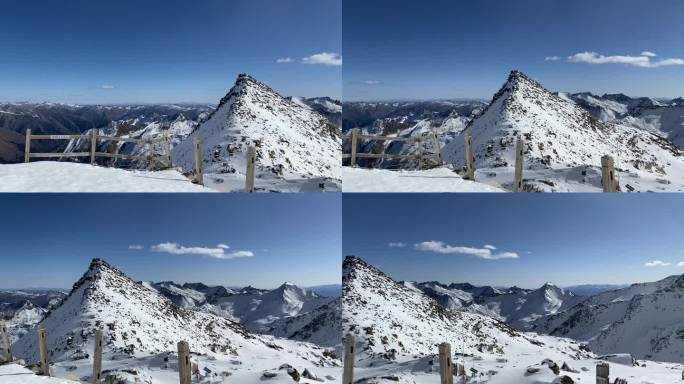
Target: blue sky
x=114, y=51
x=465, y=49
x=565, y=239
x=48, y=240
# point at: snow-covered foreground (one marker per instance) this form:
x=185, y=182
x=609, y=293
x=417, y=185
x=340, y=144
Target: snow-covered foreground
x=264, y=182
x=430, y=180
x=53, y=176
x=513, y=368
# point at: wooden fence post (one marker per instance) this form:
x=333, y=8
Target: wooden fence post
x=42, y=346
x=167, y=145
x=420, y=153
x=27, y=146
x=519, y=151
x=6, y=345
x=446, y=372
x=602, y=373
x=199, y=176
x=608, y=174
x=435, y=142
x=354, y=139
x=349, y=345
x=97, y=357
x=470, y=158
x=93, y=145
x=251, y=159
x=184, y=367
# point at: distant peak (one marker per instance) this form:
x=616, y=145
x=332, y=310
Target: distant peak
x=97, y=264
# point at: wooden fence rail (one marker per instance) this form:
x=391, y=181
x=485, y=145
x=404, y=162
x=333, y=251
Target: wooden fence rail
x=355, y=136
x=94, y=138
x=97, y=357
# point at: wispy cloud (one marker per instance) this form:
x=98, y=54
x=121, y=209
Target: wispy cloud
x=552, y=58
x=107, y=86
x=324, y=58
x=644, y=60
x=372, y=82
x=284, y=60
x=657, y=263
x=397, y=244
x=485, y=252
x=218, y=252
x=680, y=264
x=489, y=246
x=135, y=246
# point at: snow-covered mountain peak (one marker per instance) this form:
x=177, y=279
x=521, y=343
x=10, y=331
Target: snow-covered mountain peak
x=292, y=140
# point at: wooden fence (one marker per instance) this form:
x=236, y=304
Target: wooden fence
x=447, y=369
x=94, y=137
x=185, y=368
x=420, y=157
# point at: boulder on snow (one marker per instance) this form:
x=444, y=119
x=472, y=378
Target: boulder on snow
x=568, y=368
x=564, y=380
x=552, y=365
x=308, y=375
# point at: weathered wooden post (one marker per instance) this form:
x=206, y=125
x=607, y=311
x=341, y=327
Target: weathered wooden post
x=470, y=158
x=349, y=345
x=97, y=357
x=602, y=373
x=251, y=160
x=420, y=153
x=435, y=142
x=446, y=372
x=27, y=146
x=199, y=176
x=608, y=174
x=519, y=151
x=354, y=139
x=184, y=367
x=93, y=145
x=42, y=346
x=6, y=345
x=167, y=145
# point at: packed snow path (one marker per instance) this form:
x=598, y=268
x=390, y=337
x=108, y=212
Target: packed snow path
x=431, y=180
x=53, y=176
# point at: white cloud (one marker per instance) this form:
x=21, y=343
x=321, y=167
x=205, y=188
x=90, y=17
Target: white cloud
x=657, y=263
x=324, y=58
x=135, y=246
x=488, y=246
x=107, y=86
x=443, y=248
x=284, y=60
x=643, y=61
x=241, y=254
x=218, y=252
x=396, y=244
x=552, y=58
x=372, y=82
x=680, y=264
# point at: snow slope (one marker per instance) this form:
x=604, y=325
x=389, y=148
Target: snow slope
x=16, y=374
x=429, y=180
x=321, y=326
x=292, y=141
x=562, y=138
x=52, y=176
x=624, y=320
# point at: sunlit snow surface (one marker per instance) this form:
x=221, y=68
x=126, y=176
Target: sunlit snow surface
x=53, y=176
x=432, y=180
